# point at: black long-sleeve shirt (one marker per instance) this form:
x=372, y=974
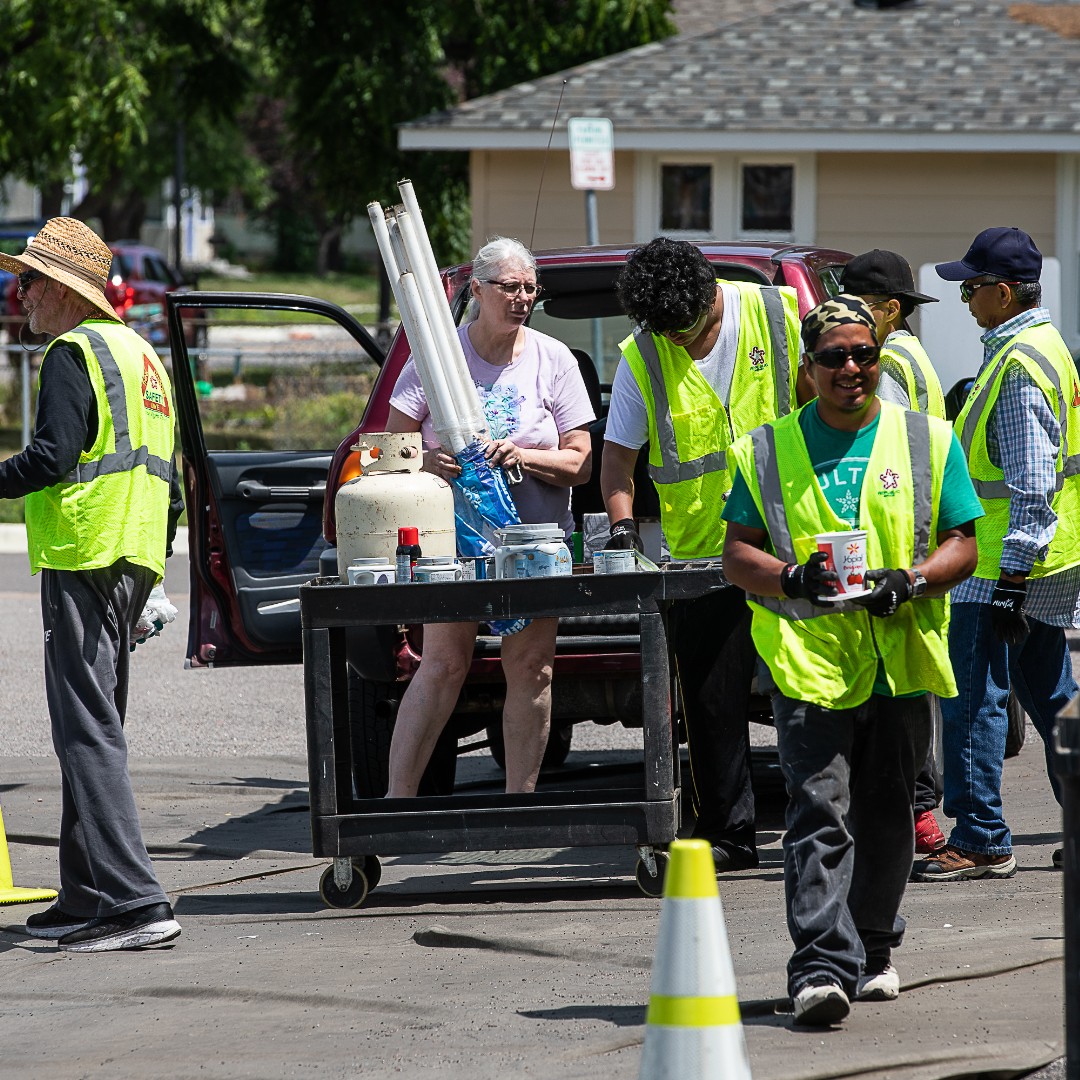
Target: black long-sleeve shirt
x=66, y=425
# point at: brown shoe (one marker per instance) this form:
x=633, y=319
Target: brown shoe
x=952, y=864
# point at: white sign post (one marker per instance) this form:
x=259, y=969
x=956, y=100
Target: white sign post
x=592, y=158
x=592, y=169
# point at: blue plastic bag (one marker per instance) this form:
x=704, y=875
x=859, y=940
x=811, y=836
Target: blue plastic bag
x=482, y=504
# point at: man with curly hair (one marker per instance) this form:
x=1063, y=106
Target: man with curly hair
x=709, y=361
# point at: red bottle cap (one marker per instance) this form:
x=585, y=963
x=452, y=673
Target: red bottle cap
x=408, y=535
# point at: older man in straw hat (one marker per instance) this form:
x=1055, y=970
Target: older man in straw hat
x=101, y=506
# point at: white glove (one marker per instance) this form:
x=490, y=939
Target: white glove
x=159, y=611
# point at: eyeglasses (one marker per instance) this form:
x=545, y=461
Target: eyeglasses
x=27, y=278
x=837, y=357
x=968, y=291
x=512, y=288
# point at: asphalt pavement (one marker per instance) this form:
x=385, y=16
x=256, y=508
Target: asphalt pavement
x=474, y=965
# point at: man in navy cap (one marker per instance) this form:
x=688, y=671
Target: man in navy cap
x=1020, y=430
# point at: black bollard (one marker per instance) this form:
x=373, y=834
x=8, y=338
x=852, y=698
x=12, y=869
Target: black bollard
x=1067, y=766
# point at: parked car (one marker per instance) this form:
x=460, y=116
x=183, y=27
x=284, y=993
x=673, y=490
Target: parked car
x=261, y=521
x=139, y=279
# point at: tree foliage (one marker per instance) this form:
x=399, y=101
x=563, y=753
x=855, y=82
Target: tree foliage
x=295, y=104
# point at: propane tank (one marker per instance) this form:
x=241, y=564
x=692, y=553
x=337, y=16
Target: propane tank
x=391, y=492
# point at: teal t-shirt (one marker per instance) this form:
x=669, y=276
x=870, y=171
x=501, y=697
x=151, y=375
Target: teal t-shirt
x=839, y=459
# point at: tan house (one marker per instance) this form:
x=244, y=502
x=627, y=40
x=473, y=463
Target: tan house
x=831, y=122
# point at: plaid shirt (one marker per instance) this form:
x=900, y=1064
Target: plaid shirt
x=1022, y=439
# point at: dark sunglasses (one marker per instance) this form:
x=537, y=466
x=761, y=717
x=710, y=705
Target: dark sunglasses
x=837, y=357
x=27, y=278
x=968, y=291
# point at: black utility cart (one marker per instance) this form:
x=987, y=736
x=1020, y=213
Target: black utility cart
x=354, y=832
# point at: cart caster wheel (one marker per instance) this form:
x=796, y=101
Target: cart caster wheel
x=352, y=897
x=649, y=885
x=372, y=871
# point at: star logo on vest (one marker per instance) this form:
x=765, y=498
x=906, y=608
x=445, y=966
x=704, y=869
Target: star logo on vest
x=757, y=358
x=153, y=392
x=889, y=480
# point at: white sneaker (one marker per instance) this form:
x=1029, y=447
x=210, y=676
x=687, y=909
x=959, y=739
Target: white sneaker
x=821, y=1003
x=881, y=985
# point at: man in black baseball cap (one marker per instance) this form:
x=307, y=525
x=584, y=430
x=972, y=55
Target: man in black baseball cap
x=907, y=377
x=1020, y=431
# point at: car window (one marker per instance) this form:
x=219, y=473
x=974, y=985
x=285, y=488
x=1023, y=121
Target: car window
x=121, y=266
x=156, y=269
x=283, y=382
x=830, y=278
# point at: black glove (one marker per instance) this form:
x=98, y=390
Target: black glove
x=624, y=534
x=809, y=580
x=891, y=589
x=1007, y=611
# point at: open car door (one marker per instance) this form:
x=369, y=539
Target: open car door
x=261, y=409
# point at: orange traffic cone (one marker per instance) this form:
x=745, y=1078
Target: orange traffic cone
x=8, y=893
x=693, y=1030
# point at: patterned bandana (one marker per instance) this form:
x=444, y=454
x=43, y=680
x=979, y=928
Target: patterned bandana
x=840, y=310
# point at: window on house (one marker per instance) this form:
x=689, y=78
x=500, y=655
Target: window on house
x=768, y=198
x=686, y=198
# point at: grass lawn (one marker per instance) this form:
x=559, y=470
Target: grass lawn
x=356, y=293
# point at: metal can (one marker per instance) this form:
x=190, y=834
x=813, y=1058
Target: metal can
x=370, y=572
x=437, y=568
x=615, y=561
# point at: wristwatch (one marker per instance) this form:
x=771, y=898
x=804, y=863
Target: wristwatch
x=918, y=584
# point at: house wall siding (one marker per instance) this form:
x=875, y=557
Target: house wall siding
x=929, y=207
x=504, y=200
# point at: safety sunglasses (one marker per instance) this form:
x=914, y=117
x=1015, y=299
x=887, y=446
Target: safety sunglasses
x=27, y=278
x=968, y=291
x=837, y=357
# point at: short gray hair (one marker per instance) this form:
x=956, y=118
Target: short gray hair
x=499, y=254
x=1028, y=293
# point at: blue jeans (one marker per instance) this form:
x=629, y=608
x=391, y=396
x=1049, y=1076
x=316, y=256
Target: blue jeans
x=975, y=724
x=850, y=839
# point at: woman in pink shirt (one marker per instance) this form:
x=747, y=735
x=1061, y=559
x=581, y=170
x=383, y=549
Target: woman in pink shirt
x=538, y=413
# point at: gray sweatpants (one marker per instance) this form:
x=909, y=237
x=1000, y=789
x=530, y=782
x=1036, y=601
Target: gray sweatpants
x=88, y=615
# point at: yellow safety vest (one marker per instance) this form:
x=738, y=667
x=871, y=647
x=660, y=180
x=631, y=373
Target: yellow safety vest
x=829, y=655
x=115, y=502
x=691, y=426
x=1041, y=352
x=923, y=385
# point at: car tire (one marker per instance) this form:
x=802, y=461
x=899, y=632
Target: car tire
x=1016, y=732
x=560, y=738
x=372, y=712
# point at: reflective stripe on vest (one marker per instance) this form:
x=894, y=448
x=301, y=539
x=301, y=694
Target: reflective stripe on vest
x=1070, y=465
x=125, y=458
x=775, y=517
x=671, y=470
x=922, y=398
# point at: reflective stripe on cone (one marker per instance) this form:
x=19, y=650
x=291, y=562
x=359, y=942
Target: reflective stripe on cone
x=693, y=1029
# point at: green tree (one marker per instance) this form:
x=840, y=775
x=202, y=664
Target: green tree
x=350, y=73
x=107, y=84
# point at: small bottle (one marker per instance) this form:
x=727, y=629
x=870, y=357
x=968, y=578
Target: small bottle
x=408, y=550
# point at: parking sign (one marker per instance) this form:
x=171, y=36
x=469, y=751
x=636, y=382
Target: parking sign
x=592, y=159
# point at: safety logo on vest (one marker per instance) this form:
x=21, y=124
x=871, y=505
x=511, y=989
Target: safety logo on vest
x=757, y=358
x=153, y=392
x=890, y=481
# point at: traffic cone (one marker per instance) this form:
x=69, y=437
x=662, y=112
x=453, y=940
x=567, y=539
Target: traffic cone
x=693, y=1030
x=8, y=893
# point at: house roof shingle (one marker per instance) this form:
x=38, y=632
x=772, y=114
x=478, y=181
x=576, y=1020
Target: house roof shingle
x=814, y=74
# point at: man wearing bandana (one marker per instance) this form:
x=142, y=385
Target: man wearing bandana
x=850, y=678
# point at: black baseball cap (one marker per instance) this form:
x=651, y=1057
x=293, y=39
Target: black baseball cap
x=882, y=273
x=1007, y=253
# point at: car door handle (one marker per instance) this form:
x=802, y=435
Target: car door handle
x=253, y=489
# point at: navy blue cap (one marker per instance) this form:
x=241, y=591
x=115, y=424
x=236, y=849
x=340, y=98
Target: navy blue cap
x=1005, y=253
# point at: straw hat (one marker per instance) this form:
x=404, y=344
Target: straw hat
x=71, y=253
